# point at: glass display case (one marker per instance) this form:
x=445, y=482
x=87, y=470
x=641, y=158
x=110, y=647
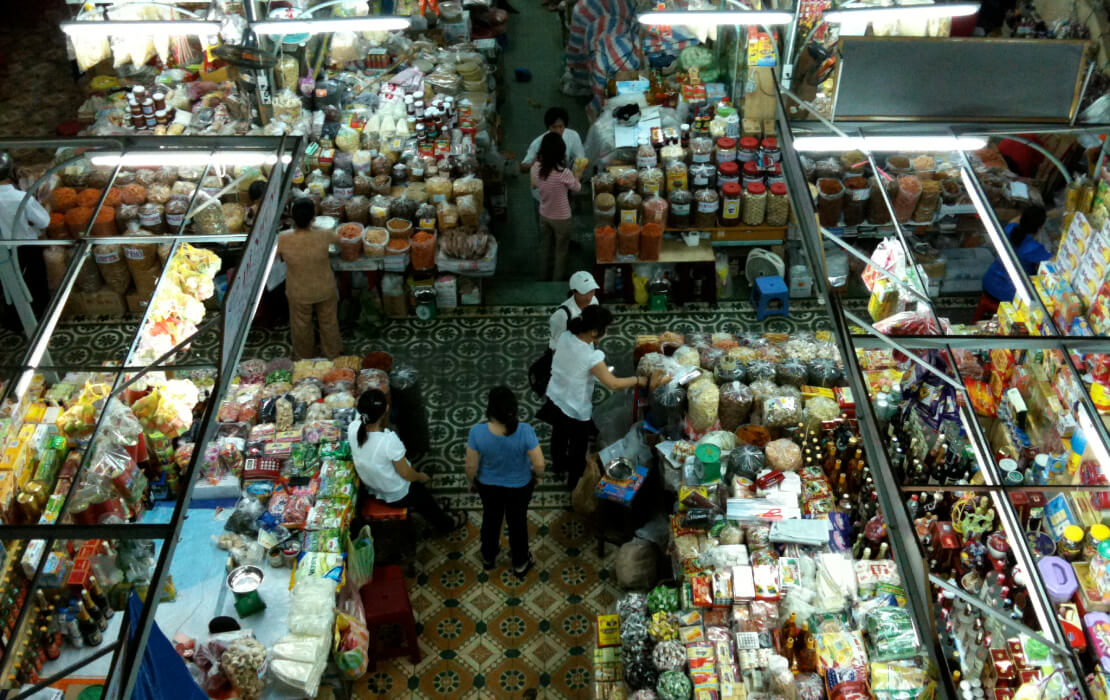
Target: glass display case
x=90, y=432
x=982, y=428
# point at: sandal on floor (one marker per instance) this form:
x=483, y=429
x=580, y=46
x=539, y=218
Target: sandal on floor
x=523, y=571
x=489, y=564
x=458, y=519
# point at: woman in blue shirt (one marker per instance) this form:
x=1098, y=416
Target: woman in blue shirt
x=997, y=285
x=501, y=457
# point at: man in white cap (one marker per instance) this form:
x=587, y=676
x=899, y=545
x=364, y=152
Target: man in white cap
x=584, y=293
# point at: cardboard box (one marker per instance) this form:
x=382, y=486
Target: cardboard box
x=105, y=302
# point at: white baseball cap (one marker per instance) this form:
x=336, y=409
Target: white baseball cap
x=583, y=282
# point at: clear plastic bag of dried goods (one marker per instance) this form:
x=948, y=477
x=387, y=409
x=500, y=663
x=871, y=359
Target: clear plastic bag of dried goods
x=730, y=369
x=819, y=409
x=735, y=404
x=784, y=455
x=668, y=406
x=782, y=411
x=824, y=372
x=704, y=398
x=761, y=370
x=791, y=372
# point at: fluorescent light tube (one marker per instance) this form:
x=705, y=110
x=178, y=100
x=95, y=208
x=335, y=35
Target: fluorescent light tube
x=712, y=18
x=901, y=12
x=185, y=159
x=331, y=24
x=888, y=143
x=177, y=27
x=996, y=237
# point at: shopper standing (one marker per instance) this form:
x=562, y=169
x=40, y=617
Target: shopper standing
x=28, y=262
x=583, y=293
x=557, y=122
x=997, y=285
x=554, y=181
x=503, y=456
x=578, y=364
x=379, y=459
x=310, y=284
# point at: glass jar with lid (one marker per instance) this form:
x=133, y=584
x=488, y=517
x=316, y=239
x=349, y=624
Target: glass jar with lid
x=830, y=201
x=778, y=206
x=731, y=199
x=770, y=148
x=701, y=149
x=706, y=205
x=751, y=173
x=728, y=172
x=749, y=149
x=628, y=203
x=645, y=155
x=755, y=204
x=677, y=178
x=726, y=150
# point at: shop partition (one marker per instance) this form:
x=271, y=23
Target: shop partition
x=95, y=496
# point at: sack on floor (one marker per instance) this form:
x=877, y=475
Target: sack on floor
x=583, y=498
x=636, y=565
x=539, y=373
x=360, y=558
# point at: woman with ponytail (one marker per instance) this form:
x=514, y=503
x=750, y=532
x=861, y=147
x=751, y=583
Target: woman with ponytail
x=379, y=458
x=502, y=455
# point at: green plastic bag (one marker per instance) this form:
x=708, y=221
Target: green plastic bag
x=360, y=558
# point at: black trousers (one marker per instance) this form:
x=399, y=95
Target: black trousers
x=505, y=504
x=570, y=441
x=420, y=499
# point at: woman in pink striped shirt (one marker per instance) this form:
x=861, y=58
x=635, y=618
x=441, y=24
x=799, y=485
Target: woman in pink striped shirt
x=554, y=181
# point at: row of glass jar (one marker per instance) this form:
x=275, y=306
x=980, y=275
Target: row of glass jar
x=756, y=205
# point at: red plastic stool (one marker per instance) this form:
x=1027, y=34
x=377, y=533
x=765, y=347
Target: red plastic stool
x=392, y=529
x=386, y=602
x=375, y=510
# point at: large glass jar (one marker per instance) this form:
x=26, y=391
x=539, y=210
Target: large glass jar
x=755, y=204
x=770, y=148
x=731, y=197
x=680, y=208
x=726, y=150
x=150, y=218
x=645, y=155
x=605, y=210
x=706, y=205
x=676, y=176
x=778, y=205
x=909, y=191
x=878, y=212
x=728, y=172
x=651, y=182
x=856, y=196
x=830, y=201
x=342, y=184
x=749, y=149
x=628, y=203
x=655, y=210
x=927, y=206
x=701, y=150
x=175, y=212
x=703, y=175
x=751, y=173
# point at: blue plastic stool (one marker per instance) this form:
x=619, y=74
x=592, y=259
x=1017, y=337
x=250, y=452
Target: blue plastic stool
x=770, y=297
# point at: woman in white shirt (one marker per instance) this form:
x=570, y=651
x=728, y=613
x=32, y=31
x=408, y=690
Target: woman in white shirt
x=379, y=458
x=576, y=366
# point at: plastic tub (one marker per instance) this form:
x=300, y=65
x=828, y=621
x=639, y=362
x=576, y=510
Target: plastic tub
x=651, y=241
x=57, y=227
x=397, y=246
x=350, y=240
x=856, y=196
x=105, y=224
x=909, y=192
x=373, y=241
x=628, y=239
x=77, y=220
x=399, y=228
x=423, y=251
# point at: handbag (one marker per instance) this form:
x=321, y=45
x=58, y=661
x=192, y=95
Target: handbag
x=539, y=373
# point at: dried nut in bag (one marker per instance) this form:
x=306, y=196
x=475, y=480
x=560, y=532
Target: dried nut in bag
x=113, y=269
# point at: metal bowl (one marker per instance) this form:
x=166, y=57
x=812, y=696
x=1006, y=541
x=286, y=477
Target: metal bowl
x=620, y=469
x=244, y=579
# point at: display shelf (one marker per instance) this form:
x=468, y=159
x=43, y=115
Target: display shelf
x=673, y=252
x=738, y=235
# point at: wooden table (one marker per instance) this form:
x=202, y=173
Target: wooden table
x=688, y=261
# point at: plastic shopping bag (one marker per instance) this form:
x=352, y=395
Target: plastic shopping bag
x=360, y=558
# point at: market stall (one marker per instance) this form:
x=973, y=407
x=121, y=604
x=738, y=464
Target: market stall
x=90, y=450
x=400, y=130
